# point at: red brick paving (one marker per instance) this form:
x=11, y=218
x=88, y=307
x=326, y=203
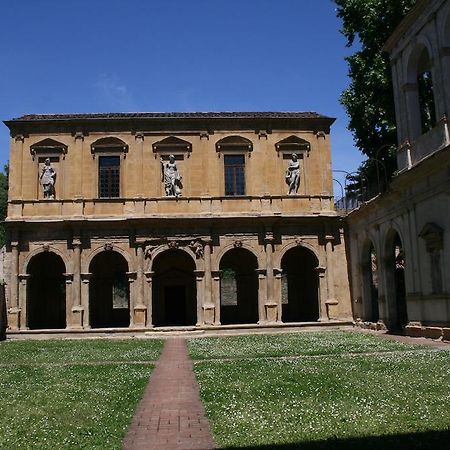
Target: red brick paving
x=171, y=415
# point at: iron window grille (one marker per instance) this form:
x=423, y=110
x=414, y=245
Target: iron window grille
x=109, y=176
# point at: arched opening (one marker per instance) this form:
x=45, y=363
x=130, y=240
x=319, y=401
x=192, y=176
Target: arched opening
x=299, y=286
x=395, y=278
x=425, y=92
x=109, y=295
x=238, y=287
x=174, y=289
x=370, y=281
x=46, y=303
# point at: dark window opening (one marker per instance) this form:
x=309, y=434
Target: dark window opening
x=426, y=101
x=234, y=174
x=109, y=176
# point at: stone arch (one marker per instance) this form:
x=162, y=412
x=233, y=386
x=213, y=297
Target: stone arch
x=86, y=262
x=109, y=292
x=420, y=77
x=278, y=255
x=237, y=244
x=444, y=26
x=46, y=296
x=163, y=248
x=369, y=266
x=394, y=268
x=174, y=288
x=239, y=286
x=300, y=299
x=48, y=248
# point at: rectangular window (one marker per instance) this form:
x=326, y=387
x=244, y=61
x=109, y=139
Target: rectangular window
x=234, y=174
x=109, y=176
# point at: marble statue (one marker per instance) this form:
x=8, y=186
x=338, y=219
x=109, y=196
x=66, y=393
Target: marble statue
x=47, y=178
x=293, y=175
x=171, y=177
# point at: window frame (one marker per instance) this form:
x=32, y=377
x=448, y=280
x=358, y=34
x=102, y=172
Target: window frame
x=99, y=177
x=234, y=167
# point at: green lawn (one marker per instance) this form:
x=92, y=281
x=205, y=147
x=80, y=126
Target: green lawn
x=71, y=394
x=342, y=391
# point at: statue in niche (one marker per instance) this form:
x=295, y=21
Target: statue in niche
x=171, y=177
x=47, y=178
x=293, y=174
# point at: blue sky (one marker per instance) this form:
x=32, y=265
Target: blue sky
x=174, y=55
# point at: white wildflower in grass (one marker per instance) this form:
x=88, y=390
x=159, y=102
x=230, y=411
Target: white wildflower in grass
x=340, y=385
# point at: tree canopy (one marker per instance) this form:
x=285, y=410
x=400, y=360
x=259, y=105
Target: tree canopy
x=369, y=99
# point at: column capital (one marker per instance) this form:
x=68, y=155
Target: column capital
x=149, y=276
x=85, y=277
x=19, y=138
x=68, y=277
x=199, y=274
x=78, y=135
x=24, y=277
x=131, y=276
x=321, y=271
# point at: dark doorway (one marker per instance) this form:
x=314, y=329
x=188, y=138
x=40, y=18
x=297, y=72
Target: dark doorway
x=175, y=304
x=238, y=287
x=174, y=289
x=395, y=271
x=46, y=292
x=299, y=286
x=370, y=284
x=109, y=296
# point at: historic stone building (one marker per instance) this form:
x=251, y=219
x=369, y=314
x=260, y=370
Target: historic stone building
x=400, y=241
x=147, y=220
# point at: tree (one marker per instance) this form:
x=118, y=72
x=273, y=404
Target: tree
x=369, y=99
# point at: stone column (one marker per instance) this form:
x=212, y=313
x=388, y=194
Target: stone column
x=323, y=294
x=149, y=297
x=262, y=295
x=132, y=296
x=209, y=313
x=77, y=308
x=271, y=306
x=77, y=161
x=23, y=294
x=331, y=300
x=216, y=275
x=69, y=297
x=199, y=277
x=85, y=279
x=277, y=292
x=16, y=173
x=140, y=310
x=139, y=174
x=14, y=310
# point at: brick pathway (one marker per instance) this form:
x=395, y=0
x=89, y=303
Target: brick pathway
x=171, y=414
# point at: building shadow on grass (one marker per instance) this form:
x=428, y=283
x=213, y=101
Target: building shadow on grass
x=409, y=441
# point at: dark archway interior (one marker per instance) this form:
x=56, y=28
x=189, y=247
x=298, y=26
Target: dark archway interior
x=397, y=264
x=174, y=289
x=239, y=287
x=109, y=296
x=300, y=286
x=46, y=292
x=373, y=314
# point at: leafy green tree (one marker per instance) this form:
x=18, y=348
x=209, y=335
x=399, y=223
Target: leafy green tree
x=3, y=203
x=369, y=99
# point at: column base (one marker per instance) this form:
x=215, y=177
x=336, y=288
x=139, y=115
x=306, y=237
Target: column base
x=77, y=318
x=140, y=316
x=271, y=310
x=14, y=318
x=209, y=314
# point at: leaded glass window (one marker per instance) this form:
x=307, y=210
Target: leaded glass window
x=109, y=176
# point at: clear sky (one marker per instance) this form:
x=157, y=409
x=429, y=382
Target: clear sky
x=66, y=56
